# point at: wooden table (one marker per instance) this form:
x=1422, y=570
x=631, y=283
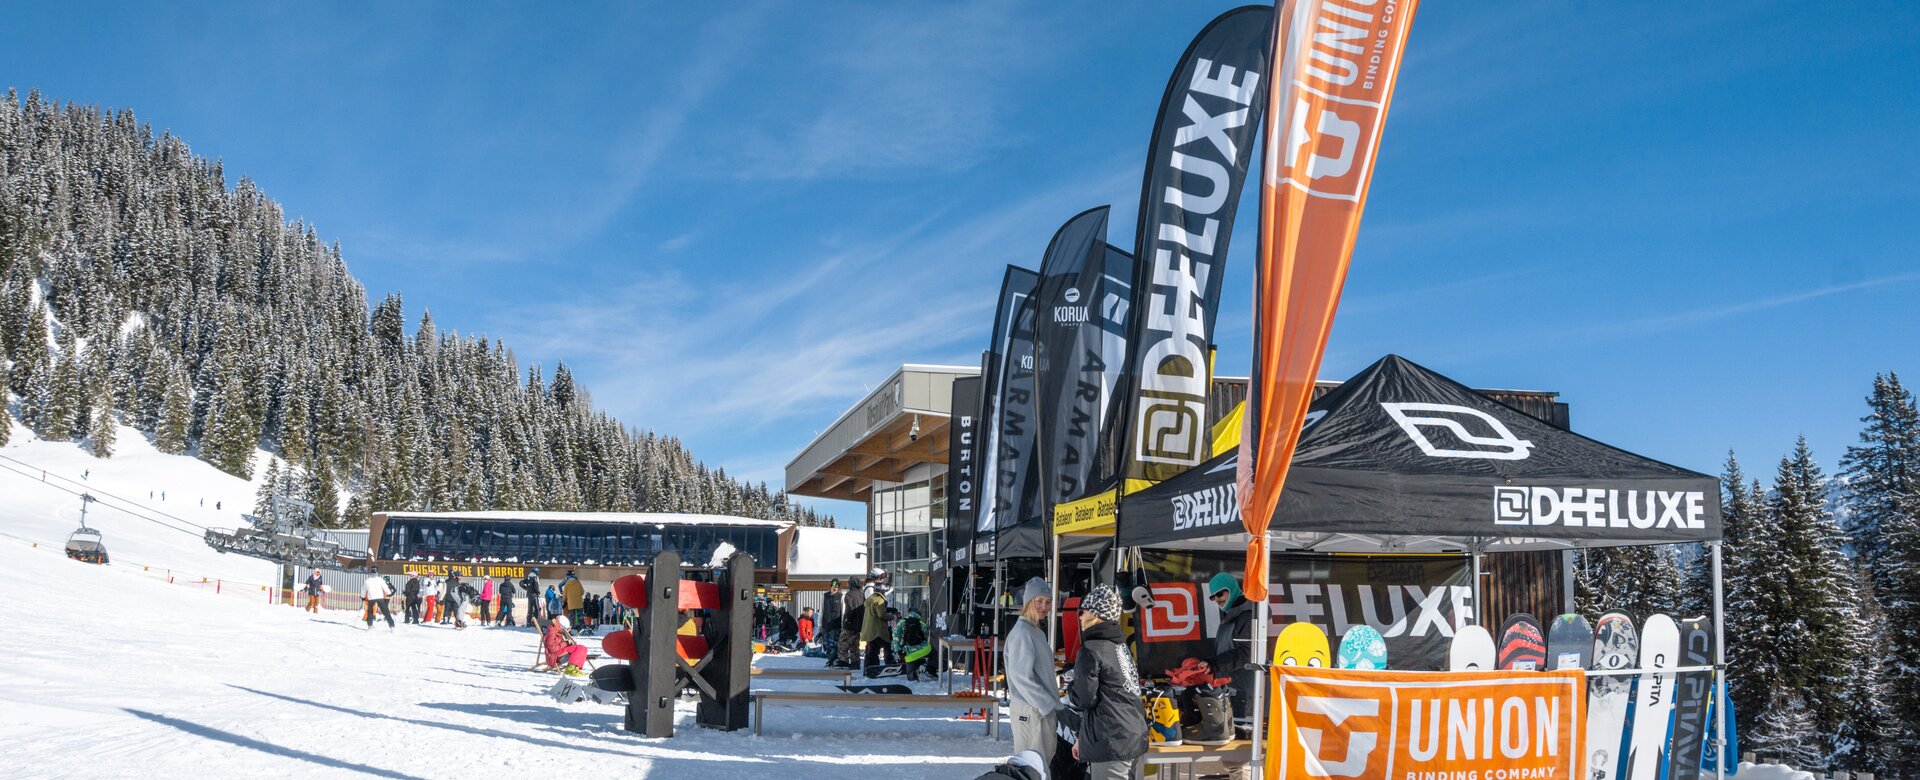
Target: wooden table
x=845, y=676
x=903, y=701
x=1189, y=755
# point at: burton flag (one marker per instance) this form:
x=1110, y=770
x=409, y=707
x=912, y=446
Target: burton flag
x=1067, y=353
x=1015, y=289
x=1336, y=61
x=1379, y=725
x=1196, y=166
x=963, y=469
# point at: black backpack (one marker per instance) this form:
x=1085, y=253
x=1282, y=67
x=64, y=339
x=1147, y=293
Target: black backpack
x=413, y=587
x=913, y=632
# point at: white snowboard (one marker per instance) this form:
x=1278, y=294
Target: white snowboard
x=1659, y=649
x=1616, y=645
x=1471, y=651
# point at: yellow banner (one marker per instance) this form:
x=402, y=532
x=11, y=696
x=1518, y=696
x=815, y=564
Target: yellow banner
x=1394, y=725
x=465, y=570
x=1090, y=514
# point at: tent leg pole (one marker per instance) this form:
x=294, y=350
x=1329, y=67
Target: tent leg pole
x=1478, y=607
x=1720, y=666
x=1053, y=593
x=1260, y=618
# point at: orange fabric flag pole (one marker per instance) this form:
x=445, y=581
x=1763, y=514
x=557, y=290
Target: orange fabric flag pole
x=1335, y=62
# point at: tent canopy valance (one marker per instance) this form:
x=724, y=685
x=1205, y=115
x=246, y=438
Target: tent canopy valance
x=1400, y=458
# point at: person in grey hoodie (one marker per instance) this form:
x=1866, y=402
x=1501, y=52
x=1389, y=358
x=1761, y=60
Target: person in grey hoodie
x=1032, y=689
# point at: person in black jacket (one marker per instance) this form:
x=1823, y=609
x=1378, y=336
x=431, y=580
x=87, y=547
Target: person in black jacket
x=828, y=630
x=505, y=594
x=530, y=585
x=411, y=604
x=314, y=588
x=853, y=611
x=1112, y=735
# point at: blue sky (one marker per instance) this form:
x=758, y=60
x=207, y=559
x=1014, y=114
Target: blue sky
x=1696, y=223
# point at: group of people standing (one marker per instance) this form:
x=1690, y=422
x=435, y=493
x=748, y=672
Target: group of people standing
x=1102, y=702
x=453, y=599
x=863, y=630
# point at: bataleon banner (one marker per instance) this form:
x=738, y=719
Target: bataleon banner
x=1416, y=601
x=1393, y=725
x=1334, y=76
x=1196, y=167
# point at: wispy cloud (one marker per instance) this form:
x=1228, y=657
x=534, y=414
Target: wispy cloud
x=1643, y=326
x=894, y=90
x=785, y=353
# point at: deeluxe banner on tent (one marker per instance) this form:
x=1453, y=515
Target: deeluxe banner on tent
x=1071, y=370
x=1015, y=288
x=1379, y=725
x=963, y=469
x=1399, y=451
x=1197, y=164
x=1416, y=601
x=1335, y=69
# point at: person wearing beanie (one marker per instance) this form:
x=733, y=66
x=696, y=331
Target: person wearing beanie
x=1033, y=692
x=1106, y=691
x=1233, y=650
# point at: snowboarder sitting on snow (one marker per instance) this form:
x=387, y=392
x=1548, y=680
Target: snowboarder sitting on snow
x=563, y=653
x=911, y=643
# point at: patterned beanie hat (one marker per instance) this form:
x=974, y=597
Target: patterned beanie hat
x=1103, y=601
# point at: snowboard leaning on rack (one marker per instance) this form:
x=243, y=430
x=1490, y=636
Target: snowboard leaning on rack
x=1569, y=643
x=1693, y=692
x=1616, y=645
x=1653, y=702
x=1471, y=651
x=1522, y=647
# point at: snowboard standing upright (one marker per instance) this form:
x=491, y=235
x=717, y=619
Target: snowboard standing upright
x=1659, y=651
x=1363, y=648
x=1471, y=651
x=1694, y=691
x=1615, y=646
x=1522, y=647
x=1569, y=643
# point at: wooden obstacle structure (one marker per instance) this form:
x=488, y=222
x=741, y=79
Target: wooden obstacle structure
x=716, y=661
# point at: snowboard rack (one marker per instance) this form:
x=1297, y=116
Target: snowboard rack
x=716, y=662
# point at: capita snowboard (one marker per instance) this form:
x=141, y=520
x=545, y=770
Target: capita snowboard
x=1363, y=648
x=1569, y=643
x=1302, y=644
x=1471, y=650
x=1616, y=645
x=1522, y=647
x=890, y=689
x=1653, y=701
x=1692, y=694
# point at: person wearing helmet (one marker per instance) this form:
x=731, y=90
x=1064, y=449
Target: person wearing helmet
x=564, y=655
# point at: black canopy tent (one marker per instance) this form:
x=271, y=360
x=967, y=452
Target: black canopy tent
x=1402, y=459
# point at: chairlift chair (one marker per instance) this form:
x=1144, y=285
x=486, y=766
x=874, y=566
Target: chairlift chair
x=86, y=545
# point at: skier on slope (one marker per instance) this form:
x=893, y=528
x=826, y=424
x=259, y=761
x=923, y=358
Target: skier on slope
x=410, y=604
x=505, y=591
x=313, y=591
x=377, y=590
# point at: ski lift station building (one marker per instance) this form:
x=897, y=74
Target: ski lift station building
x=599, y=546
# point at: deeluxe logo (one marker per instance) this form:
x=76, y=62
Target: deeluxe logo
x=1575, y=507
x=1336, y=711
x=1218, y=505
x=1492, y=440
x=1172, y=430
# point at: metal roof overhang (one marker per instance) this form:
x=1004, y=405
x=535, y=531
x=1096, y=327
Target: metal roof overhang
x=875, y=441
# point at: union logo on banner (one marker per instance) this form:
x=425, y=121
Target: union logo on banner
x=1380, y=725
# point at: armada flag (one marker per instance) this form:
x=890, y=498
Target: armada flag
x=1336, y=61
x=1196, y=166
x=1015, y=289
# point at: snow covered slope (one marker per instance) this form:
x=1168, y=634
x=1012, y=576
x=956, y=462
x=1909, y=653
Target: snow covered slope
x=40, y=483
x=162, y=681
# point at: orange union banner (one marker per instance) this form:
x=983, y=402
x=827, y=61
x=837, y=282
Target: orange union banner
x=1425, y=725
x=1334, y=64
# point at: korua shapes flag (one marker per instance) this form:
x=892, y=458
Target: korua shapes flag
x=1196, y=166
x=1067, y=354
x=1015, y=289
x=1335, y=65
